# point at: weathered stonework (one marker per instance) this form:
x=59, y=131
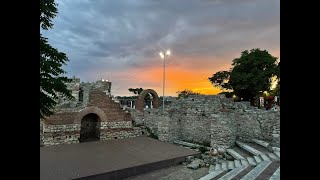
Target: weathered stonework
x=120, y=133
x=138, y=116
x=223, y=130
x=168, y=128
x=61, y=134
x=212, y=119
x=248, y=126
x=97, y=116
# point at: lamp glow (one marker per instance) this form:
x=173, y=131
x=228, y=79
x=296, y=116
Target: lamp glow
x=168, y=52
x=161, y=55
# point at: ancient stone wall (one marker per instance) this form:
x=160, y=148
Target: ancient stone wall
x=259, y=124
x=213, y=119
x=61, y=134
x=223, y=130
x=138, y=116
x=248, y=127
x=112, y=109
x=270, y=126
x=152, y=118
x=169, y=127
x=195, y=127
x=120, y=133
x=111, y=121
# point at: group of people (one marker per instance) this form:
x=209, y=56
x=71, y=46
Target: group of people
x=272, y=103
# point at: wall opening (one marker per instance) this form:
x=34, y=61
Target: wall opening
x=90, y=128
x=147, y=99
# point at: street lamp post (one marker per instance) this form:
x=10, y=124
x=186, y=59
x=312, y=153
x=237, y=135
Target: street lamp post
x=163, y=56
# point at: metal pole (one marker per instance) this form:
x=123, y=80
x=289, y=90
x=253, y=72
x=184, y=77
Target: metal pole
x=164, y=70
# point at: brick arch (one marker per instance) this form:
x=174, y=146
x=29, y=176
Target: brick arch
x=140, y=101
x=88, y=110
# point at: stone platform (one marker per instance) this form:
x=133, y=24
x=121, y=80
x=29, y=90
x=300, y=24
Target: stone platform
x=112, y=159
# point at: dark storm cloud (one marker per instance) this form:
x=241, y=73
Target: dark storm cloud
x=115, y=36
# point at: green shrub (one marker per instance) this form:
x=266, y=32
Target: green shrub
x=202, y=149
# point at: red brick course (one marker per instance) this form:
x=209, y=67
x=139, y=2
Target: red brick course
x=100, y=104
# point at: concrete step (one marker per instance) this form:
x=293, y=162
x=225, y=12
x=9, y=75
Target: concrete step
x=276, y=175
x=217, y=167
x=261, y=143
x=278, y=154
x=234, y=154
x=258, y=159
x=274, y=149
x=248, y=148
x=244, y=162
x=254, y=173
x=224, y=165
x=183, y=143
x=265, y=157
x=211, y=168
x=237, y=163
x=232, y=173
x=230, y=164
x=251, y=161
x=273, y=157
x=211, y=175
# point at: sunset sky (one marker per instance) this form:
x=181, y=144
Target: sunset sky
x=121, y=40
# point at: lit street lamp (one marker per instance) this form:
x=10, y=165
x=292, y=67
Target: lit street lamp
x=163, y=56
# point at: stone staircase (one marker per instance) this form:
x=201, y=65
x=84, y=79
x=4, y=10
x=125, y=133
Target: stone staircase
x=260, y=165
x=189, y=145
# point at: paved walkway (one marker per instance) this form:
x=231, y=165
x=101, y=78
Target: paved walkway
x=91, y=158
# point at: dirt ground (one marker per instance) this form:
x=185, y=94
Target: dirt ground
x=172, y=173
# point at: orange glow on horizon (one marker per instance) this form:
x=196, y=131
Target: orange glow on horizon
x=181, y=73
x=179, y=80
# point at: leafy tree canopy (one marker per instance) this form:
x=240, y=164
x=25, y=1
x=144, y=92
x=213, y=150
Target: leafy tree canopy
x=250, y=75
x=185, y=93
x=52, y=83
x=135, y=91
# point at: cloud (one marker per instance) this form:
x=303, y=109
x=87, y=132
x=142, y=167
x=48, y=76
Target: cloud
x=123, y=37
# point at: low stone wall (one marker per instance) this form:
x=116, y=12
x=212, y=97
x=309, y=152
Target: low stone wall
x=259, y=124
x=61, y=134
x=270, y=127
x=223, y=130
x=152, y=118
x=248, y=126
x=138, y=116
x=195, y=127
x=213, y=119
x=168, y=128
x=70, y=133
x=116, y=125
x=120, y=133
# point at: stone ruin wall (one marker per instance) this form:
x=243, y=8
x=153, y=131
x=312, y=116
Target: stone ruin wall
x=64, y=126
x=223, y=130
x=213, y=119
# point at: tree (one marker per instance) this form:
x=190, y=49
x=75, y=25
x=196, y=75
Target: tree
x=185, y=93
x=228, y=94
x=52, y=83
x=136, y=91
x=276, y=90
x=221, y=79
x=250, y=75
